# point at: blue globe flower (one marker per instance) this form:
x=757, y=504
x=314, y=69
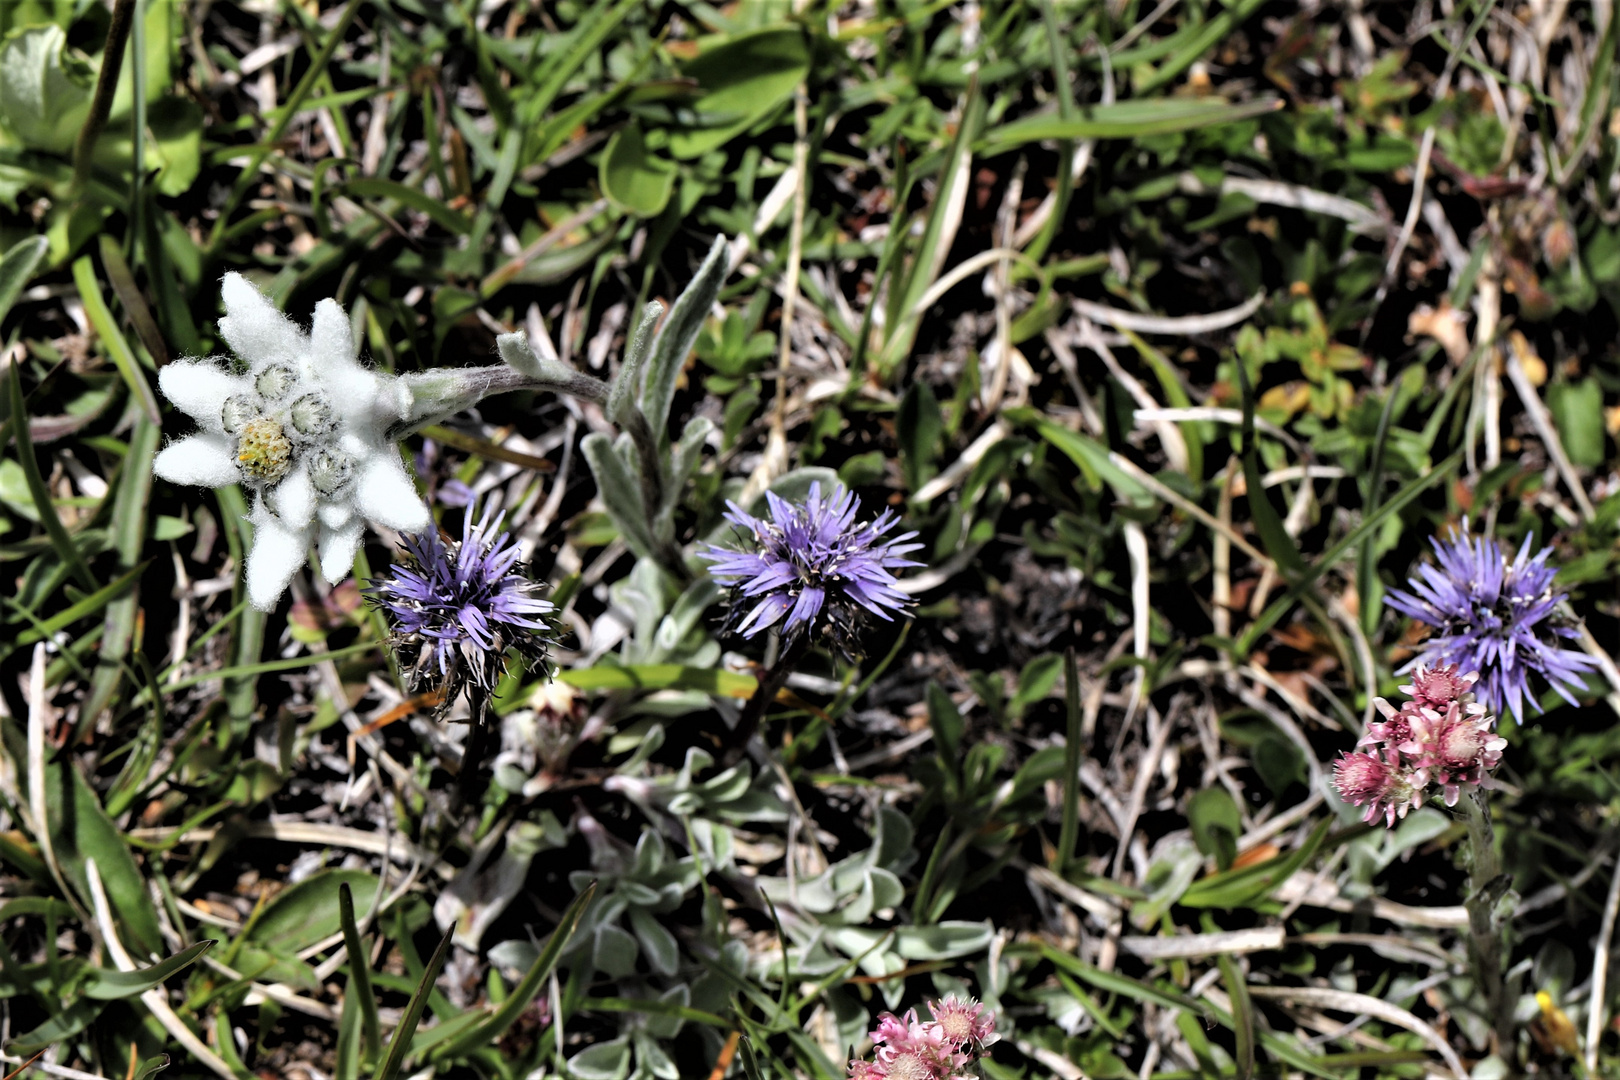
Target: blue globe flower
x=1494, y=617
x=814, y=569
x=460, y=607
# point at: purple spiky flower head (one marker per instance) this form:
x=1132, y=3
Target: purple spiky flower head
x=1495, y=617
x=815, y=568
x=457, y=607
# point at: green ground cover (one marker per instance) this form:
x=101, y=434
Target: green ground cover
x=1175, y=331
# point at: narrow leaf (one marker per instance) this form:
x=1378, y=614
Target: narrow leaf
x=680, y=331
x=400, y=1043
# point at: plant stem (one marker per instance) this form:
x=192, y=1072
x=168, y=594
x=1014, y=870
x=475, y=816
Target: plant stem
x=112, y=62
x=468, y=790
x=770, y=684
x=1487, y=885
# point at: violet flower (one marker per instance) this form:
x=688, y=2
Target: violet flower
x=1494, y=617
x=815, y=569
x=458, y=609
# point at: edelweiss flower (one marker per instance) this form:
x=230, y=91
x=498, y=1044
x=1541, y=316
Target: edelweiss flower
x=304, y=428
x=1494, y=617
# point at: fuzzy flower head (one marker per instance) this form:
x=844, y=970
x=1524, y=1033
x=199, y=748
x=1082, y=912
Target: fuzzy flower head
x=964, y=1023
x=1442, y=736
x=459, y=606
x=1494, y=617
x=301, y=424
x=944, y=1048
x=814, y=567
x=1380, y=784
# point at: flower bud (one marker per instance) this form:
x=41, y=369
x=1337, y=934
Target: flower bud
x=237, y=411
x=274, y=381
x=311, y=416
x=330, y=470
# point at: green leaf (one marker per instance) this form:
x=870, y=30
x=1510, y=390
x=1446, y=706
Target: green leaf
x=679, y=333
x=602, y=1061
x=946, y=720
x=1240, y=888
x=81, y=830
x=1125, y=120
x=309, y=911
x=743, y=79
x=1216, y=824
x=621, y=493
x=633, y=179
x=1278, y=544
x=107, y=985
x=365, y=1000
x=1092, y=458
x=660, y=677
x=400, y=1043
x=59, y=1028
x=45, y=90
x=1242, y=1014
x=1577, y=409
x=377, y=188
x=17, y=267
x=175, y=148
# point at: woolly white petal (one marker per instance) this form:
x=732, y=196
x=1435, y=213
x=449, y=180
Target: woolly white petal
x=199, y=388
x=330, y=337
x=277, y=554
x=335, y=515
x=256, y=331
x=295, y=498
x=204, y=460
x=337, y=551
x=383, y=493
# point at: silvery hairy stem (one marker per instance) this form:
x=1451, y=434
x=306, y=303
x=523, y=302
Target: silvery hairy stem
x=1488, y=888
x=443, y=392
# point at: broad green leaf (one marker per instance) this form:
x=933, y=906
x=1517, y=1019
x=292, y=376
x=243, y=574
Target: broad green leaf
x=634, y=180
x=743, y=79
x=1577, y=409
x=80, y=830
x=45, y=89
x=1216, y=824
x=309, y=911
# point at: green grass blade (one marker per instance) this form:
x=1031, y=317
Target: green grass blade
x=399, y=1045
x=66, y=549
x=1069, y=833
x=17, y=267
x=1125, y=120
x=359, y=973
x=1278, y=544
x=492, y=1029
x=1242, y=1015
x=112, y=338
x=1280, y=606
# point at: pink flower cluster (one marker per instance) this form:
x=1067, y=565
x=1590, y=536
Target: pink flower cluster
x=939, y=1049
x=1441, y=737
